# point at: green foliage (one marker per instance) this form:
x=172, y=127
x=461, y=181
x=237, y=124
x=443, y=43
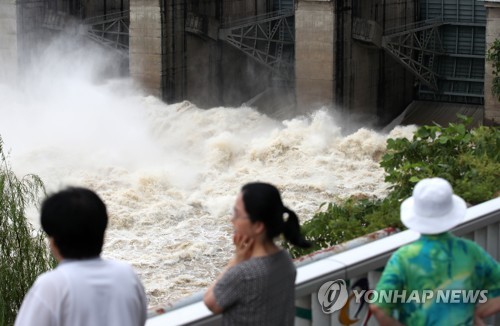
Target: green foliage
x=493, y=56
x=23, y=250
x=351, y=219
x=468, y=158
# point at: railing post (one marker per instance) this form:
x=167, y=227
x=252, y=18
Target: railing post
x=319, y=318
x=303, y=313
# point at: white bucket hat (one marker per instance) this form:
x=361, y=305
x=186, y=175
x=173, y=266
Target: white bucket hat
x=433, y=208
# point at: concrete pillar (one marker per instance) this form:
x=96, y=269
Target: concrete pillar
x=8, y=42
x=314, y=54
x=157, y=47
x=491, y=103
x=146, y=45
x=174, y=50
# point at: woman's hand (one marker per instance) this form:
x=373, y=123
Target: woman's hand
x=243, y=251
x=243, y=247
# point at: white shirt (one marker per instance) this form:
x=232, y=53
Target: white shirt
x=90, y=292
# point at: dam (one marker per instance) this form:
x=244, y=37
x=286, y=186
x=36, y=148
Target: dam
x=283, y=57
x=168, y=168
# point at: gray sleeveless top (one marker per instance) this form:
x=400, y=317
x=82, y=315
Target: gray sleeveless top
x=259, y=291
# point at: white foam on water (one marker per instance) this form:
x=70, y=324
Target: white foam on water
x=169, y=174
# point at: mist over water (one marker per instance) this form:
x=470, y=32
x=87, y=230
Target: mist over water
x=169, y=174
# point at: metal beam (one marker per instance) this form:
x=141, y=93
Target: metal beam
x=416, y=47
x=110, y=30
x=263, y=38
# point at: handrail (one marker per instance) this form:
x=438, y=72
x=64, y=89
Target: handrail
x=344, y=265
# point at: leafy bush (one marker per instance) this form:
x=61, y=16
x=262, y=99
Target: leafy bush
x=468, y=158
x=23, y=250
x=348, y=220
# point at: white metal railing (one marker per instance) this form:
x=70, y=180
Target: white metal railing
x=482, y=225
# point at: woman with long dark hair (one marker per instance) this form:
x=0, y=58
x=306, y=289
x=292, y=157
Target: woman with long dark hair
x=257, y=287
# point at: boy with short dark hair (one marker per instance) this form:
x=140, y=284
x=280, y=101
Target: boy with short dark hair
x=83, y=289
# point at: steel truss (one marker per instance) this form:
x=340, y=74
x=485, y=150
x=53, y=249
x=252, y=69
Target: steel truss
x=110, y=30
x=269, y=39
x=416, y=46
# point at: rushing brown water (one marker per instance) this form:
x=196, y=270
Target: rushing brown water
x=170, y=173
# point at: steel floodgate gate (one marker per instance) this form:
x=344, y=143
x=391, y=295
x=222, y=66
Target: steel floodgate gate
x=459, y=69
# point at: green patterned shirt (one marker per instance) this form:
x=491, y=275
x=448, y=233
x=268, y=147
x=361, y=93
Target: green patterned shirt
x=438, y=262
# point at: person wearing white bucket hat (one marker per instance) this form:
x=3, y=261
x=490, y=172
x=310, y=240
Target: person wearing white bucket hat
x=433, y=208
x=437, y=265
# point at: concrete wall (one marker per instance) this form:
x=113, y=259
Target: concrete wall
x=335, y=70
x=92, y=8
x=203, y=71
x=315, y=38
x=175, y=65
x=238, y=9
x=374, y=84
x=218, y=74
x=146, y=45
x=87, y=8
x=22, y=37
x=361, y=68
x=331, y=68
x=30, y=36
x=396, y=90
x=174, y=50
x=491, y=103
x=8, y=41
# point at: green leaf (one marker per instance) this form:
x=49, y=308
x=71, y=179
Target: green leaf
x=443, y=140
x=414, y=179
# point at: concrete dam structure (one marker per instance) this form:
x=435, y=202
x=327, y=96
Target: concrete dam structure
x=298, y=54
x=364, y=59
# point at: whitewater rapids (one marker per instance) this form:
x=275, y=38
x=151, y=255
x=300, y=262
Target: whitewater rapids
x=169, y=174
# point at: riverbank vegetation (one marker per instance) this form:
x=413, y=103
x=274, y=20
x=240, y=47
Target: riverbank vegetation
x=23, y=249
x=469, y=158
